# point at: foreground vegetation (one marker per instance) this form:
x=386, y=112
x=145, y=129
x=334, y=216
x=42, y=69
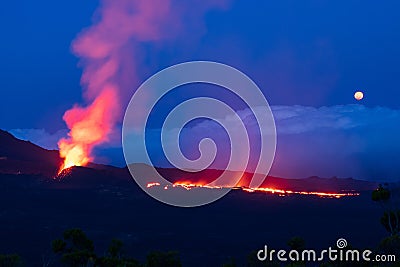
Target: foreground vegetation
x=75, y=249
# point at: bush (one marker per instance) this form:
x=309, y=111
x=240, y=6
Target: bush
x=163, y=259
x=12, y=260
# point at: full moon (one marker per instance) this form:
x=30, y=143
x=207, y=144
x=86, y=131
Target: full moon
x=358, y=95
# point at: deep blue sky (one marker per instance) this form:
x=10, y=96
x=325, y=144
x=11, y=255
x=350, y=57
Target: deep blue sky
x=309, y=53
x=322, y=51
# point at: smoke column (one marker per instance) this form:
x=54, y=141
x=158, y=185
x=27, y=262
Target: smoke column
x=110, y=55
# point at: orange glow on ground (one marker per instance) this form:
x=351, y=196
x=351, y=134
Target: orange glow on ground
x=280, y=192
x=289, y=192
x=152, y=184
x=189, y=186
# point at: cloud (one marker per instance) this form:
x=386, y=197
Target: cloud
x=300, y=119
x=40, y=137
x=342, y=140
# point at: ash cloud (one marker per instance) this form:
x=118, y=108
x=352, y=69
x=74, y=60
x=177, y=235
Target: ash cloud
x=40, y=137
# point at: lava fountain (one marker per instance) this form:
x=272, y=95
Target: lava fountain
x=109, y=52
x=88, y=126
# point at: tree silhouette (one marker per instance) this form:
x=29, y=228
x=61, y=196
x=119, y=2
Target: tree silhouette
x=231, y=263
x=76, y=249
x=115, y=248
x=163, y=259
x=391, y=215
x=115, y=257
x=296, y=243
x=10, y=260
x=253, y=261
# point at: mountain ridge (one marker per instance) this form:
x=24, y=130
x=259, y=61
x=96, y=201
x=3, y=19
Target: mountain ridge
x=19, y=157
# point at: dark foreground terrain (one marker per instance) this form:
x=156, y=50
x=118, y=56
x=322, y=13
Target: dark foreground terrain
x=106, y=203
x=34, y=213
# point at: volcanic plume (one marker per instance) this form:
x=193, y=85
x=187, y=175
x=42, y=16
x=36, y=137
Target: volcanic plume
x=109, y=51
x=88, y=126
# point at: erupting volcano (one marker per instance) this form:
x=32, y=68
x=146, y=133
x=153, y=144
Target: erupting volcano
x=108, y=68
x=89, y=126
x=110, y=51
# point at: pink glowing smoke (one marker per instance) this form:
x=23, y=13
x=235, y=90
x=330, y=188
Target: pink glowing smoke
x=110, y=55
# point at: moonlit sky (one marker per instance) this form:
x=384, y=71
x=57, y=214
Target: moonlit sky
x=308, y=57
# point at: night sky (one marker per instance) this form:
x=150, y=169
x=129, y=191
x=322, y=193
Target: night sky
x=308, y=57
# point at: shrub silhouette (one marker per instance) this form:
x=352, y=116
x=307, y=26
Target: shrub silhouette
x=76, y=249
x=163, y=259
x=390, y=219
x=10, y=260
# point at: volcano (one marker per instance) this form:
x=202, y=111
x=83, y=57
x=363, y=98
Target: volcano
x=18, y=157
x=23, y=157
x=36, y=207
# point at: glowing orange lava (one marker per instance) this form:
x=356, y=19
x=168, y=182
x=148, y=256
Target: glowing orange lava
x=280, y=192
x=73, y=154
x=289, y=192
x=88, y=126
x=188, y=186
x=152, y=184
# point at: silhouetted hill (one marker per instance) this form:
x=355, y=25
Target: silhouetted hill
x=89, y=177
x=18, y=156
x=36, y=207
x=23, y=157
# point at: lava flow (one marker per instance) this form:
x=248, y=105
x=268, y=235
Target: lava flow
x=280, y=192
